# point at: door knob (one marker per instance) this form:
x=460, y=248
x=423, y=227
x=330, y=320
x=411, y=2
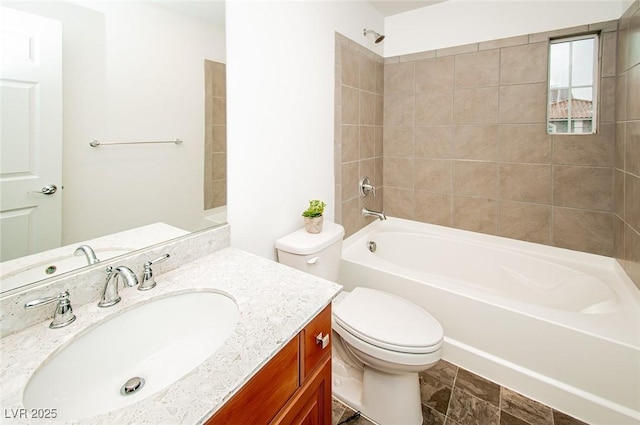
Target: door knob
x=49, y=189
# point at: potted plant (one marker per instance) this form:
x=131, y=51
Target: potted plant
x=313, y=216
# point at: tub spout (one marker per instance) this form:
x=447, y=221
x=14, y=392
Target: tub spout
x=369, y=213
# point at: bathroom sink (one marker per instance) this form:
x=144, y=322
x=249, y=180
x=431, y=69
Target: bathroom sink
x=159, y=342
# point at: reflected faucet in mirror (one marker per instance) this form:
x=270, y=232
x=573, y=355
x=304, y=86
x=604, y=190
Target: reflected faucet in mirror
x=88, y=252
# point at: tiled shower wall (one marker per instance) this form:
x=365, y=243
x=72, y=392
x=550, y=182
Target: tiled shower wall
x=215, y=135
x=465, y=144
x=358, y=131
x=627, y=158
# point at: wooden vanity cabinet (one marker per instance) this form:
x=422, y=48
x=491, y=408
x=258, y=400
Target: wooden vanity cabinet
x=294, y=387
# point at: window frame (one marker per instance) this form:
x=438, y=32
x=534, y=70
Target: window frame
x=595, y=83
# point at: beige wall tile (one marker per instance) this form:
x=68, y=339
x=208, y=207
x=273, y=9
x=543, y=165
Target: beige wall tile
x=367, y=74
x=367, y=142
x=632, y=255
x=219, y=193
x=607, y=105
x=457, y=50
x=527, y=222
x=583, y=187
x=621, y=98
x=475, y=214
x=398, y=172
x=418, y=56
x=596, y=149
x=379, y=78
x=632, y=147
x=219, y=138
x=378, y=178
x=434, y=208
x=632, y=200
x=367, y=168
x=378, y=141
x=583, y=230
x=618, y=192
x=398, y=141
x=399, y=78
x=379, y=110
x=476, y=106
x=633, y=87
x=619, y=150
x=524, y=64
x=367, y=108
x=525, y=182
x=349, y=180
x=351, y=213
x=480, y=69
x=399, y=109
x=350, y=62
x=633, y=47
x=504, y=42
x=350, y=143
x=434, y=74
x=434, y=107
x=219, y=166
x=433, y=175
x=433, y=141
x=524, y=143
x=476, y=142
x=524, y=104
x=621, y=56
x=609, y=42
x=350, y=105
x=475, y=178
x=398, y=202
x=219, y=111
x=618, y=248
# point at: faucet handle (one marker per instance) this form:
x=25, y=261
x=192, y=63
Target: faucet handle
x=148, y=281
x=366, y=187
x=63, y=314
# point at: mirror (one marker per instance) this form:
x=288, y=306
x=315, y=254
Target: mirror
x=134, y=72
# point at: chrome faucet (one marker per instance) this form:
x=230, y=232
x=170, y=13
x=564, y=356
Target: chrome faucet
x=110, y=294
x=369, y=213
x=88, y=252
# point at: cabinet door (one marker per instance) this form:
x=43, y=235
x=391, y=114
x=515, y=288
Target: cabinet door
x=265, y=394
x=311, y=405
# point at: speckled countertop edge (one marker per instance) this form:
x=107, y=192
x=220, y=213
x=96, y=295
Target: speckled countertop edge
x=275, y=302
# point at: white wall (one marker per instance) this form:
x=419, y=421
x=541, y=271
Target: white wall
x=280, y=107
x=458, y=22
x=131, y=71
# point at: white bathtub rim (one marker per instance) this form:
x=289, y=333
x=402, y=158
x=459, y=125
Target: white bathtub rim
x=537, y=386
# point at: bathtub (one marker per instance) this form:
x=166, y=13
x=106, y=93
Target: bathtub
x=559, y=326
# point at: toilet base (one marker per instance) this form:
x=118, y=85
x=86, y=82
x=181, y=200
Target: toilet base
x=388, y=399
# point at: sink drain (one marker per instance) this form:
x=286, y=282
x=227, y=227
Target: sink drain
x=132, y=386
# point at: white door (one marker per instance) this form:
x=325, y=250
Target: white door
x=30, y=133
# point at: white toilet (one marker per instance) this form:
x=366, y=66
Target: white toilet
x=381, y=341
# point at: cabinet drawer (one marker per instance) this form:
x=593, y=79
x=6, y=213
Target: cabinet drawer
x=312, y=350
x=266, y=393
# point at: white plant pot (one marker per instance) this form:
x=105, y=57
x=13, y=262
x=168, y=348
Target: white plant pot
x=313, y=224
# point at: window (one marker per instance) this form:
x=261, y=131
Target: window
x=572, y=97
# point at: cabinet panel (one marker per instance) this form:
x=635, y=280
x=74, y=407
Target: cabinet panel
x=311, y=405
x=313, y=351
x=264, y=395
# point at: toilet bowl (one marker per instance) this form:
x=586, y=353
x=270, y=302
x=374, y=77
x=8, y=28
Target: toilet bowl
x=380, y=341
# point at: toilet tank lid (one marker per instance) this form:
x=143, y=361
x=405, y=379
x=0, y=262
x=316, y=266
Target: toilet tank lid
x=302, y=242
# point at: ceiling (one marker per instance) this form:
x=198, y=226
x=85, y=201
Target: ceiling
x=393, y=7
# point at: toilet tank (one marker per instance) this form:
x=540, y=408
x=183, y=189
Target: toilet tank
x=318, y=254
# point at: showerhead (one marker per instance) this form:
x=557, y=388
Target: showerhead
x=378, y=37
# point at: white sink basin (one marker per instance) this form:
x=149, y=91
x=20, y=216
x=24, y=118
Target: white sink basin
x=160, y=342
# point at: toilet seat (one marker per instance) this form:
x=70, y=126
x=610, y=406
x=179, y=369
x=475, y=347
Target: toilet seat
x=388, y=322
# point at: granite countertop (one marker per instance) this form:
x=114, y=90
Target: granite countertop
x=275, y=302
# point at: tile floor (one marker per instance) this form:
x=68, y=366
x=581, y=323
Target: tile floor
x=454, y=396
